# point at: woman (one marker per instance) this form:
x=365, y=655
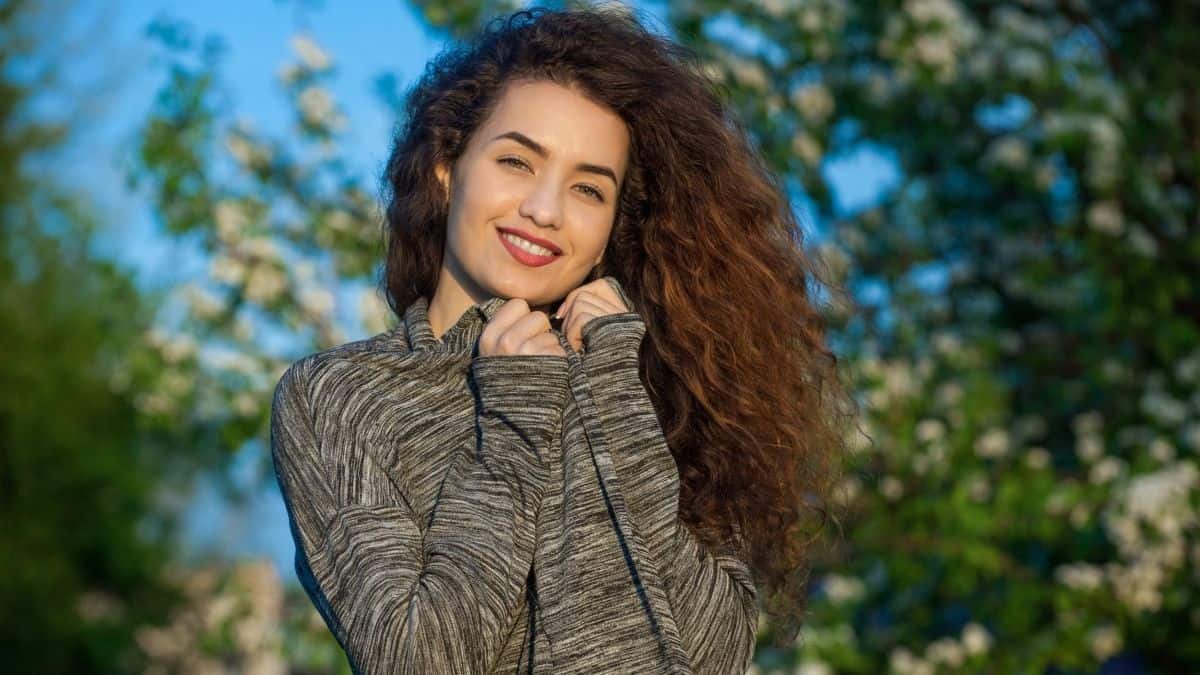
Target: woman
x=483, y=490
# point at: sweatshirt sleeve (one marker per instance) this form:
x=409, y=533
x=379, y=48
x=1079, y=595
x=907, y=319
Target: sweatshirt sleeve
x=712, y=595
x=397, y=601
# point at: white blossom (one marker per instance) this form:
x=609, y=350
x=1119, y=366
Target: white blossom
x=1104, y=642
x=1141, y=241
x=1160, y=406
x=778, y=8
x=203, y=304
x=903, y=662
x=814, y=102
x=1037, y=458
x=1161, y=450
x=260, y=247
x=245, y=404
x=265, y=284
x=1187, y=369
x=246, y=151
x=928, y=430
x=1105, y=217
x=310, y=54
x=949, y=394
x=179, y=348
x=1081, y=576
x=841, y=589
x=316, y=105
x=979, y=489
x=1106, y=470
x=933, y=11
x=976, y=639
x=227, y=270
x=946, y=650
x=316, y=301
x=1010, y=152
x=1079, y=515
x=1150, y=496
x=1088, y=422
x=807, y=148
x=1089, y=447
x=891, y=488
x=993, y=444
x=289, y=73
x=747, y=72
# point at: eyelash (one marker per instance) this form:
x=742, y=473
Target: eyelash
x=595, y=193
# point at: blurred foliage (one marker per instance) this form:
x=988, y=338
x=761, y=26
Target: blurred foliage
x=1023, y=320
x=83, y=547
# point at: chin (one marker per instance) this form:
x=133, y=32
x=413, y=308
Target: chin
x=537, y=299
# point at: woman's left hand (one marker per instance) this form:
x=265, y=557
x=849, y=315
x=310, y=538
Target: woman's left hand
x=585, y=303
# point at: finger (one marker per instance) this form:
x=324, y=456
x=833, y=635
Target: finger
x=508, y=314
x=591, y=287
x=583, y=310
x=600, y=303
x=543, y=343
x=527, y=327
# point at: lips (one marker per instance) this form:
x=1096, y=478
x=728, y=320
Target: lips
x=529, y=237
x=521, y=255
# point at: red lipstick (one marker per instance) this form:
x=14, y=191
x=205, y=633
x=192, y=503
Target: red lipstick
x=521, y=255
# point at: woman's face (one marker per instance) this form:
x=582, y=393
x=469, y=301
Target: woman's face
x=547, y=164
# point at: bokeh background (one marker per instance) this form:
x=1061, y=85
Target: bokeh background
x=1004, y=192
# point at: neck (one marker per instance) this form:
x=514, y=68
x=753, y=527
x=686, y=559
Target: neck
x=451, y=298
x=445, y=308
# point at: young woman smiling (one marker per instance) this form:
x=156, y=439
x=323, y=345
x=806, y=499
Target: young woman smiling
x=483, y=489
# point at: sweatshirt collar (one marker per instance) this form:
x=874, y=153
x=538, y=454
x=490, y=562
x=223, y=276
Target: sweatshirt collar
x=461, y=337
x=458, y=338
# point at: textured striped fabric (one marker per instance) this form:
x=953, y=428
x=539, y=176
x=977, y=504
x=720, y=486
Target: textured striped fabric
x=456, y=513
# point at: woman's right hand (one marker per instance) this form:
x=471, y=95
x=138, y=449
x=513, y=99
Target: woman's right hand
x=515, y=330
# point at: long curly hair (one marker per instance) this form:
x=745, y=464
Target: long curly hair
x=706, y=245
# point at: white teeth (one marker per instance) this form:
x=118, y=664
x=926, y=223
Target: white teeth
x=527, y=245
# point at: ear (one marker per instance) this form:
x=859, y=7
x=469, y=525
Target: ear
x=442, y=172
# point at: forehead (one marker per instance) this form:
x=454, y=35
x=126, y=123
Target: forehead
x=562, y=119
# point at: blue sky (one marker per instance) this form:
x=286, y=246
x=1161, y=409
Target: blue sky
x=117, y=79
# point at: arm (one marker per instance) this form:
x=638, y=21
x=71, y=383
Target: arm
x=712, y=595
x=398, y=601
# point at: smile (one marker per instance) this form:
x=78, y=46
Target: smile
x=526, y=252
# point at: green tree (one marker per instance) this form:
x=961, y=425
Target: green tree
x=82, y=553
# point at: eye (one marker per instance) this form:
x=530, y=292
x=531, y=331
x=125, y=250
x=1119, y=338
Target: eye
x=594, y=192
x=513, y=161
x=516, y=161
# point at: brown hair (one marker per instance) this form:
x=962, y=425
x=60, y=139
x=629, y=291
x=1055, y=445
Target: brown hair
x=707, y=247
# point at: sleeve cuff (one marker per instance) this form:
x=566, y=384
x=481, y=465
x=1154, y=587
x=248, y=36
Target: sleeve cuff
x=526, y=382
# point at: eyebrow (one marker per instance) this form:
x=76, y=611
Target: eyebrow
x=542, y=152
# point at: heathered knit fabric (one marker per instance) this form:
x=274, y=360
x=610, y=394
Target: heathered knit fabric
x=457, y=513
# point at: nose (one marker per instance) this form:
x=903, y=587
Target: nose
x=542, y=204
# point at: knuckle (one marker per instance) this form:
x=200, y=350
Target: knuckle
x=508, y=344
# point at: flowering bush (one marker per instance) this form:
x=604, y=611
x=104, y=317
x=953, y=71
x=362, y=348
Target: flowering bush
x=1021, y=318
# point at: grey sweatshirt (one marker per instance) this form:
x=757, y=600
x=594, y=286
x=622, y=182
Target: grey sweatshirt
x=458, y=513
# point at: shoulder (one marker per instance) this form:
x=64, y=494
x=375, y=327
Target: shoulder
x=339, y=365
